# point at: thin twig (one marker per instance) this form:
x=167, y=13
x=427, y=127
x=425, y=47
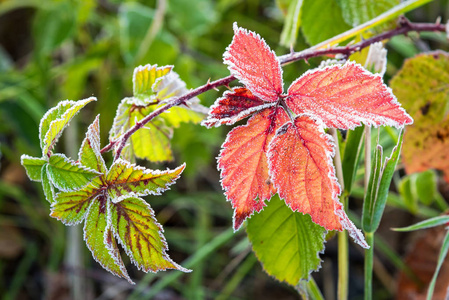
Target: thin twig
x=404, y=27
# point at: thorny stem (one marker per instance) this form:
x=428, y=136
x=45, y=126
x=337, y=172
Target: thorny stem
x=404, y=27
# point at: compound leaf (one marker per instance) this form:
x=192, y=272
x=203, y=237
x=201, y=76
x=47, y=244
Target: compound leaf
x=252, y=62
x=300, y=163
x=56, y=120
x=33, y=166
x=139, y=233
x=243, y=163
x=125, y=179
x=100, y=241
x=67, y=175
x=287, y=243
x=346, y=96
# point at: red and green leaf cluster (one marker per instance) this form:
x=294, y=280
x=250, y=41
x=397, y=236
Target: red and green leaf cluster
x=107, y=200
x=283, y=147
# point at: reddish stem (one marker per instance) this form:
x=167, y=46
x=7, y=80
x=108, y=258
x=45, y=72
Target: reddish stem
x=404, y=26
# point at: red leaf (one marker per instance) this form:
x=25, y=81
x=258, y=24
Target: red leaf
x=346, y=96
x=252, y=62
x=234, y=106
x=243, y=163
x=300, y=162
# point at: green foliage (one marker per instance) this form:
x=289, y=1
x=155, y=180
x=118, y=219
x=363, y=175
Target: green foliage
x=378, y=187
x=287, y=243
x=356, y=12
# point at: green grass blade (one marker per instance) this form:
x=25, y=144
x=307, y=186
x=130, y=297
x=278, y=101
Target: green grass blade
x=425, y=224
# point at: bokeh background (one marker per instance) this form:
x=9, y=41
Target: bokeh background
x=56, y=50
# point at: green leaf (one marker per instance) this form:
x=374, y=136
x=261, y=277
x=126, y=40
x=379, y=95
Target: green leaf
x=33, y=166
x=89, y=155
x=321, y=19
x=71, y=207
x=378, y=187
x=144, y=79
x=67, y=175
x=408, y=195
x=356, y=12
x=137, y=230
x=100, y=241
x=426, y=186
x=49, y=191
x=125, y=179
x=441, y=258
x=56, y=119
x=287, y=243
x=291, y=24
x=351, y=156
x=432, y=222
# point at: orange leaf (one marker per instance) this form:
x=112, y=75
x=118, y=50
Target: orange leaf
x=346, y=96
x=251, y=61
x=300, y=162
x=243, y=163
x=234, y=106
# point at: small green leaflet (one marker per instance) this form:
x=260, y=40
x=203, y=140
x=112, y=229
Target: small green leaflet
x=57, y=169
x=153, y=86
x=112, y=210
x=33, y=166
x=67, y=175
x=56, y=120
x=289, y=252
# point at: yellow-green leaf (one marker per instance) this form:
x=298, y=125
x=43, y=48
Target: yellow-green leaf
x=291, y=24
x=144, y=79
x=152, y=142
x=89, y=154
x=139, y=233
x=33, y=166
x=56, y=119
x=422, y=86
x=67, y=175
x=71, y=207
x=99, y=238
x=125, y=179
x=356, y=12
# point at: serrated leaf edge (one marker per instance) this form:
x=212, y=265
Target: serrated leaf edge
x=160, y=233
x=25, y=156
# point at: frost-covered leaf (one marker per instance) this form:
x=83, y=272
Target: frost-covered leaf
x=100, y=241
x=126, y=179
x=300, y=163
x=289, y=252
x=252, y=62
x=33, y=166
x=356, y=12
x=234, y=106
x=89, y=154
x=145, y=77
x=47, y=186
x=71, y=207
x=243, y=163
x=422, y=85
x=139, y=233
x=66, y=174
x=56, y=119
x=346, y=96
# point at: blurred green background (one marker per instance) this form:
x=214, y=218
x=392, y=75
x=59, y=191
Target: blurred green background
x=56, y=50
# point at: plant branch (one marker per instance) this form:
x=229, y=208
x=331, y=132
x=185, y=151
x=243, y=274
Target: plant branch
x=404, y=27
